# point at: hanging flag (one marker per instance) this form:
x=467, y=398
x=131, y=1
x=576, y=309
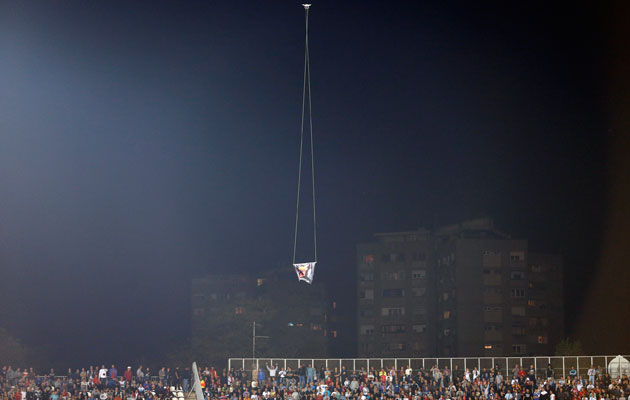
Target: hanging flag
x=305, y=271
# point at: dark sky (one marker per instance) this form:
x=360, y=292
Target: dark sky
x=143, y=143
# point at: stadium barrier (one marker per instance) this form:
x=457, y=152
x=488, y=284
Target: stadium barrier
x=560, y=364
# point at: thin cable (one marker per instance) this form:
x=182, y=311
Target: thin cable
x=297, y=206
x=310, y=117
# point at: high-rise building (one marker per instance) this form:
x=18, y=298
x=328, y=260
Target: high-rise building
x=397, y=295
x=461, y=290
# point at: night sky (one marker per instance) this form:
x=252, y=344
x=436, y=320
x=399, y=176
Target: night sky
x=145, y=143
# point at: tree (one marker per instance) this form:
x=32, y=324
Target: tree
x=12, y=351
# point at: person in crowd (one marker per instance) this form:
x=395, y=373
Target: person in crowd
x=385, y=383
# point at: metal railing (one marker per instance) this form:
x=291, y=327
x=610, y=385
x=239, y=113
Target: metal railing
x=560, y=364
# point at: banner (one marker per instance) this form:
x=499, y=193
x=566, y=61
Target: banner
x=305, y=271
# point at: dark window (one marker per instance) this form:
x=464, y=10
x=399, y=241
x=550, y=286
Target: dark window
x=386, y=329
x=393, y=292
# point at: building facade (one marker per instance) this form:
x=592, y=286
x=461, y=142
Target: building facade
x=396, y=295
x=460, y=290
x=291, y=317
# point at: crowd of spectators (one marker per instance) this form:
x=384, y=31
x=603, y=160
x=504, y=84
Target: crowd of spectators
x=309, y=383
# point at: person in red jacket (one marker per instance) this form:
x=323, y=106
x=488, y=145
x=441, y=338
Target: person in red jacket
x=128, y=375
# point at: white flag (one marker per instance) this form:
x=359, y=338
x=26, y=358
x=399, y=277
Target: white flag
x=305, y=271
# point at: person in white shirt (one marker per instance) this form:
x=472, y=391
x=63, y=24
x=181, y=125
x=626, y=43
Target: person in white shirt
x=102, y=375
x=321, y=389
x=272, y=371
x=140, y=374
x=591, y=375
x=543, y=392
x=476, y=373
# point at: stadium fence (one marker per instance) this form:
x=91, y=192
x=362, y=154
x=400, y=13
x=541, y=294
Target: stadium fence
x=560, y=364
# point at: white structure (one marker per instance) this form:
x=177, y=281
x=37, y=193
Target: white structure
x=619, y=366
x=196, y=386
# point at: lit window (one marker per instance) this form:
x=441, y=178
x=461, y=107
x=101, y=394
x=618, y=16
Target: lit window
x=239, y=310
x=333, y=333
x=334, y=305
x=447, y=314
x=260, y=281
x=369, y=258
x=543, y=339
x=488, y=347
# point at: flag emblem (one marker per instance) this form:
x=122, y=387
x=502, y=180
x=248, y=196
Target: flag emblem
x=305, y=271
